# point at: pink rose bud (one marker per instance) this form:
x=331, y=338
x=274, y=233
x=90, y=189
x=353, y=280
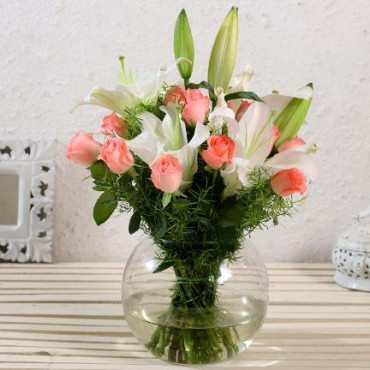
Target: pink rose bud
x=196, y=106
x=83, y=149
x=275, y=134
x=175, y=95
x=113, y=124
x=220, y=151
x=288, y=182
x=116, y=155
x=289, y=144
x=166, y=173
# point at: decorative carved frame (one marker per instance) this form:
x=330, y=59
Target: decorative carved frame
x=31, y=239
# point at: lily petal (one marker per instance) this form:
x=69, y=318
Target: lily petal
x=278, y=102
x=147, y=144
x=145, y=87
x=187, y=155
x=201, y=134
x=114, y=100
x=293, y=158
x=221, y=108
x=253, y=138
x=256, y=132
x=173, y=128
x=231, y=181
x=243, y=169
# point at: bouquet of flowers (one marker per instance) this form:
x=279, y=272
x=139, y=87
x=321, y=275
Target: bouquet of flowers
x=200, y=165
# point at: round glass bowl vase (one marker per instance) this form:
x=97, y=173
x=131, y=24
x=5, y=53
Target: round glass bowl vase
x=194, y=333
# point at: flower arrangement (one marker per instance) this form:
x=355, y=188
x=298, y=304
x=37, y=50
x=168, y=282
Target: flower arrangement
x=200, y=165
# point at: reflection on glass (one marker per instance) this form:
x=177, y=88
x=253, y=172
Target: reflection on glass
x=9, y=189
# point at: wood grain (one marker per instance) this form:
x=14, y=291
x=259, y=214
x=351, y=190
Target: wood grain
x=69, y=316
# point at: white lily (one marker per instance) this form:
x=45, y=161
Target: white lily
x=187, y=155
x=133, y=87
x=169, y=137
x=291, y=111
x=114, y=100
x=293, y=158
x=278, y=102
x=253, y=144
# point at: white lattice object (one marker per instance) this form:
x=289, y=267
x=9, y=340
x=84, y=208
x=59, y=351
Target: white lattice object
x=30, y=239
x=351, y=255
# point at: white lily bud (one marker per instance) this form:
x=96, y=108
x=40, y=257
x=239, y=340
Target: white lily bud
x=223, y=55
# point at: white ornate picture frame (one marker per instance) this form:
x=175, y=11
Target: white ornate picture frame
x=29, y=239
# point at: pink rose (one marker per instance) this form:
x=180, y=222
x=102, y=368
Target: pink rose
x=116, y=155
x=166, y=173
x=275, y=134
x=220, y=151
x=113, y=124
x=83, y=149
x=288, y=182
x=175, y=95
x=196, y=106
x=289, y=144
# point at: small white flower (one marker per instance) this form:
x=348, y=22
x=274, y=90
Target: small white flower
x=221, y=114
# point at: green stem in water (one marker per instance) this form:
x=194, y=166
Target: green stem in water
x=193, y=306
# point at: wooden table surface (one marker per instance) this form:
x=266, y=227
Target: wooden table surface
x=69, y=316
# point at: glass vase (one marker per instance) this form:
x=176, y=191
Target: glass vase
x=188, y=315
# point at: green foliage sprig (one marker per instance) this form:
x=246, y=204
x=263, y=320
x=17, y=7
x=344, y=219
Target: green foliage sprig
x=261, y=205
x=197, y=221
x=131, y=115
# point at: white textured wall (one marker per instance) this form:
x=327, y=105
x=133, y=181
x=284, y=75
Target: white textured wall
x=53, y=52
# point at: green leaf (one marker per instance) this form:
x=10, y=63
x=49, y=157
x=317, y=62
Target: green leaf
x=204, y=85
x=227, y=238
x=243, y=95
x=166, y=199
x=100, y=188
x=134, y=224
x=104, y=207
x=98, y=170
x=231, y=213
x=223, y=56
x=184, y=45
x=163, y=266
x=228, y=223
x=162, y=227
